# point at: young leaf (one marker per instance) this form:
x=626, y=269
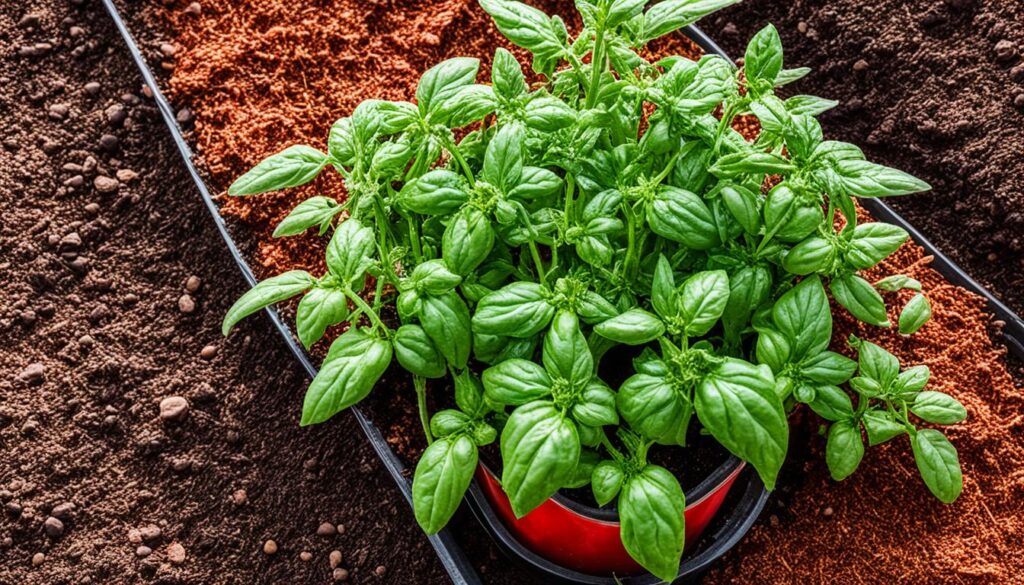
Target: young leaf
x=737, y=404
x=469, y=393
x=467, y=241
x=293, y=166
x=503, y=160
x=634, y=327
x=763, y=59
x=651, y=512
x=803, y=316
x=831, y=403
x=267, y=292
x=877, y=364
x=445, y=318
x=540, y=449
x=939, y=464
x=663, y=289
x=654, y=408
x=566, y=354
x=520, y=309
x=448, y=422
x=606, y=481
x=417, y=353
x=515, y=382
x=867, y=179
x=938, y=408
x=860, y=298
x=874, y=242
x=844, y=449
x=319, y=309
x=917, y=312
x=549, y=114
x=316, y=210
x=683, y=217
x=433, y=278
x=438, y=192
x=813, y=254
x=671, y=15
x=442, y=477
x=702, y=301
x=828, y=367
x=596, y=406
x=526, y=27
x=442, y=81
x=350, y=251
x=353, y=365
x=507, y=75
x=880, y=426
x=897, y=282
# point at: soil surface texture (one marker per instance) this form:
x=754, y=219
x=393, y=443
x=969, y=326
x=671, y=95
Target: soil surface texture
x=137, y=444
x=179, y=452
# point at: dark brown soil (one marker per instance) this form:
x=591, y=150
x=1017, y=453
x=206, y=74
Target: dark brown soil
x=932, y=87
x=94, y=338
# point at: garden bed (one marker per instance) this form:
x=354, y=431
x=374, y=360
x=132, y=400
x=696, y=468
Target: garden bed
x=959, y=315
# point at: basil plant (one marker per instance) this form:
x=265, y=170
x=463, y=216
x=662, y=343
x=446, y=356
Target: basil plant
x=525, y=227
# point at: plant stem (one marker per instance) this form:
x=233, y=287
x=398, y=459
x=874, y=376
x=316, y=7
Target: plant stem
x=359, y=302
x=597, y=63
x=535, y=253
x=420, y=383
x=454, y=149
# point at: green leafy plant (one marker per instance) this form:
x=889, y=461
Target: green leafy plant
x=522, y=229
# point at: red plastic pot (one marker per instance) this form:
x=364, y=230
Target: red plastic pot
x=586, y=539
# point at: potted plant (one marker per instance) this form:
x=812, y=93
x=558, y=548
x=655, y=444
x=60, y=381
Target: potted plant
x=514, y=236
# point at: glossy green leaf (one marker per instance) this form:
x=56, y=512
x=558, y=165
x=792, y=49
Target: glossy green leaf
x=844, y=449
x=540, y=449
x=515, y=382
x=446, y=320
x=653, y=528
x=520, y=309
x=293, y=166
x=319, y=309
x=915, y=314
x=267, y=292
x=938, y=408
x=634, y=327
x=316, y=210
x=353, y=365
x=860, y=298
x=442, y=477
x=417, y=353
x=939, y=464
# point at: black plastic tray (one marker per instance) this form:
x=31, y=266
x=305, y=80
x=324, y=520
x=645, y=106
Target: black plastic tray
x=451, y=555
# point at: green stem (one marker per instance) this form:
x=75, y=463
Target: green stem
x=454, y=149
x=597, y=64
x=420, y=383
x=535, y=253
x=414, y=240
x=359, y=302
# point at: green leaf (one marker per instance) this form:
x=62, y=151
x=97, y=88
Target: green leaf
x=515, y=382
x=828, y=367
x=393, y=117
x=813, y=254
x=316, y=210
x=293, y=166
x=663, y=289
x=566, y=353
x=743, y=204
x=831, y=403
x=549, y=114
x=350, y=251
x=654, y=408
x=448, y=422
x=804, y=317
x=445, y=318
x=593, y=308
x=520, y=309
x=897, y=282
x=341, y=143
x=417, y=353
x=737, y=404
x=442, y=477
x=353, y=365
x=671, y=15
x=683, y=217
x=880, y=426
x=874, y=242
x=596, y=405
x=653, y=527
x=469, y=393
x=536, y=183
x=503, y=160
x=938, y=408
x=877, y=363
x=634, y=327
x=860, y=298
x=540, y=449
x=620, y=11
x=471, y=103
x=442, y=81
x=774, y=349
x=606, y=481
x=433, y=278
x=702, y=301
x=751, y=163
x=507, y=75
x=319, y=309
x=913, y=379
x=526, y=27
x=467, y=241
x=939, y=464
x=844, y=449
x=917, y=312
x=438, y=192
x=807, y=105
x=267, y=292
x=763, y=59
x=867, y=179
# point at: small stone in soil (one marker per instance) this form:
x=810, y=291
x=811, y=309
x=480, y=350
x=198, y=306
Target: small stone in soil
x=269, y=547
x=126, y=175
x=109, y=142
x=174, y=409
x=105, y=184
x=208, y=352
x=239, y=497
x=1018, y=101
x=150, y=533
x=13, y=508
x=186, y=304
x=176, y=553
x=1005, y=50
x=340, y=574
x=92, y=88
x=326, y=529
x=53, y=527
x=334, y=558
x=827, y=511
x=193, y=283
x=38, y=558
x=63, y=511
x=306, y=556
x=33, y=373
x=380, y=570
x=860, y=65
x=143, y=551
